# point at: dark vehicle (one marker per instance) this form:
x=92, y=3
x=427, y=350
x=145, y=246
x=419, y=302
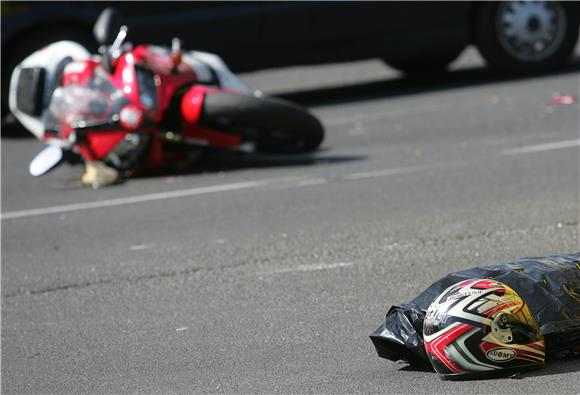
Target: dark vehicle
x=410, y=36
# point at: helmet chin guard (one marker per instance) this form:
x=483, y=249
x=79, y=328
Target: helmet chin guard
x=481, y=328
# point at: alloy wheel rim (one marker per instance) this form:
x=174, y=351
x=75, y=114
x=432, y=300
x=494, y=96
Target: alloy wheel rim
x=530, y=31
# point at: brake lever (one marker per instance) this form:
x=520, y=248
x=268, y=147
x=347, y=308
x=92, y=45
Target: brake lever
x=115, y=49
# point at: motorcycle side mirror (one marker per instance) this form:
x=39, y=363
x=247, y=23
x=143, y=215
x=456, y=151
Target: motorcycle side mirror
x=107, y=26
x=45, y=160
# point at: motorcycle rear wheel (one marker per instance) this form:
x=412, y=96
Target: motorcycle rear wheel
x=275, y=125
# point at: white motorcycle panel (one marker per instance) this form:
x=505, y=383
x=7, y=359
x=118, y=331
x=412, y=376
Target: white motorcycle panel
x=48, y=58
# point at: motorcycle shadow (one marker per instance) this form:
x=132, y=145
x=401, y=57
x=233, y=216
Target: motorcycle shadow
x=225, y=161
x=552, y=367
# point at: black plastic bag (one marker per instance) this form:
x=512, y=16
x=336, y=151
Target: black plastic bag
x=550, y=286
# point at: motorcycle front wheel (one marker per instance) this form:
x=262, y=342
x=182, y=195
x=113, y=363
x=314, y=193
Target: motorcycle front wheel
x=275, y=125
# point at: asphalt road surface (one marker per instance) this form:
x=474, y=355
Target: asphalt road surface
x=257, y=274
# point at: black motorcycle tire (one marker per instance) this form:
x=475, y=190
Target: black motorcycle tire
x=275, y=125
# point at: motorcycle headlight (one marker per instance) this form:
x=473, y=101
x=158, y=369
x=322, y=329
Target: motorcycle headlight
x=131, y=117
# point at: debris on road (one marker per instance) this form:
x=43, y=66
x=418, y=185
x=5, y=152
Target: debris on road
x=548, y=286
x=357, y=130
x=139, y=247
x=563, y=99
x=181, y=329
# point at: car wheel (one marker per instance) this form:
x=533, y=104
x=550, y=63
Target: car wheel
x=526, y=36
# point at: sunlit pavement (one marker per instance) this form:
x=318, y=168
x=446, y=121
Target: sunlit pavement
x=267, y=274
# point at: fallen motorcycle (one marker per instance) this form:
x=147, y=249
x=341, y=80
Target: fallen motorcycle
x=131, y=109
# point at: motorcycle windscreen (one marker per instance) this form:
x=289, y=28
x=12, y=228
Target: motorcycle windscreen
x=96, y=102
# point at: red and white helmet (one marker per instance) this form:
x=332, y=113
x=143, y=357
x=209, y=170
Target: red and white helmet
x=481, y=328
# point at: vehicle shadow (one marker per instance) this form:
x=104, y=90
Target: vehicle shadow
x=417, y=84
x=385, y=88
x=217, y=161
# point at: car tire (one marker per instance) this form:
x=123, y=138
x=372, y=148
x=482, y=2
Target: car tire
x=275, y=125
x=526, y=36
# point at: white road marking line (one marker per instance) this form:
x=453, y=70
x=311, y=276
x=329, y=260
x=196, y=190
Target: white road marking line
x=293, y=182
x=298, y=180
x=384, y=173
x=133, y=199
x=309, y=268
x=542, y=147
x=139, y=247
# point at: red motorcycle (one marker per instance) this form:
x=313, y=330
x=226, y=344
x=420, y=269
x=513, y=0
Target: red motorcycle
x=132, y=109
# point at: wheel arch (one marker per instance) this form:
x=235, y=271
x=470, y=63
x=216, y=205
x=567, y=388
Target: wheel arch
x=474, y=8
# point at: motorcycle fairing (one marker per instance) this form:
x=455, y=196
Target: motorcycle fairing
x=48, y=59
x=209, y=68
x=227, y=80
